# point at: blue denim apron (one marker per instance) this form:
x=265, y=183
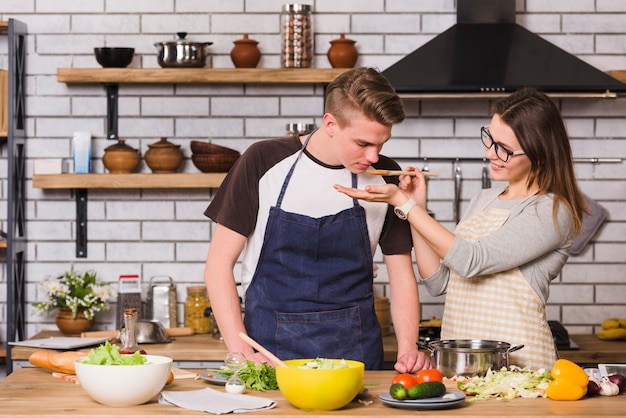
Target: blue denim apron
x=311, y=294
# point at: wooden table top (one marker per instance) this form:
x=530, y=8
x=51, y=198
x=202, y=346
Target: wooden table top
x=35, y=392
x=203, y=347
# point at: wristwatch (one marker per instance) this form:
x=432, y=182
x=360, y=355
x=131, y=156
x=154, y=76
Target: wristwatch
x=403, y=211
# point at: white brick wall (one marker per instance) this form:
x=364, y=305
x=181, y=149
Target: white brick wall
x=163, y=232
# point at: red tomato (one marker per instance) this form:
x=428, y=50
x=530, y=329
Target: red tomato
x=428, y=375
x=405, y=379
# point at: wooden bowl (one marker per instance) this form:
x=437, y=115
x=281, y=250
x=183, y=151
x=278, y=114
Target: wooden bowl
x=199, y=147
x=214, y=163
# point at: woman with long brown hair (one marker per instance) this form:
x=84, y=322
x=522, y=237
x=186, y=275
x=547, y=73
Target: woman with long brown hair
x=496, y=267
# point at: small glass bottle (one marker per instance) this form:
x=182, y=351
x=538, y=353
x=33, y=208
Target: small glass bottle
x=128, y=335
x=196, y=308
x=297, y=36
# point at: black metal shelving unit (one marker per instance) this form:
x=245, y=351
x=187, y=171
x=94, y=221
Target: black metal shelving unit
x=16, y=206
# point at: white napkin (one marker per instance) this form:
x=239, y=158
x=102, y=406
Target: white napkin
x=215, y=402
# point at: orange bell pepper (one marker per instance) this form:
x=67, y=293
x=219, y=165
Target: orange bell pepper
x=569, y=381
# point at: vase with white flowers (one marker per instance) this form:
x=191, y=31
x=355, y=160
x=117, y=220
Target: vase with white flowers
x=77, y=296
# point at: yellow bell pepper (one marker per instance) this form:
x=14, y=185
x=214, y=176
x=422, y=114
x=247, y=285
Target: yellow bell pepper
x=569, y=381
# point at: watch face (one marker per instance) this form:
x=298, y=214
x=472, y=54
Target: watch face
x=399, y=213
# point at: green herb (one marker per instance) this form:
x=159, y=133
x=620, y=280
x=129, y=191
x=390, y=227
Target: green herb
x=260, y=377
x=108, y=354
x=256, y=376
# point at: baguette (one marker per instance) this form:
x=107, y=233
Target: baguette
x=56, y=362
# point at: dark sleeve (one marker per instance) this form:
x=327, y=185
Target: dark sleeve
x=395, y=237
x=236, y=203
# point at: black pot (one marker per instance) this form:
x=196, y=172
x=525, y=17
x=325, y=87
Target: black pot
x=182, y=53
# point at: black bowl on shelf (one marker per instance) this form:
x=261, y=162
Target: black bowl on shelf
x=114, y=57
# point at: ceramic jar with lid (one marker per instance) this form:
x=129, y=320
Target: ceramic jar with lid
x=245, y=53
x=120, y=158
x=342, y=53
x=163, y=157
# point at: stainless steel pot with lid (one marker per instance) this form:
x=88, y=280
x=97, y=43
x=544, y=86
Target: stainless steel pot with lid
x=470, y=357
x=182, y=53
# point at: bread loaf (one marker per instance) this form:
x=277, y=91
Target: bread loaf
x=57, y=362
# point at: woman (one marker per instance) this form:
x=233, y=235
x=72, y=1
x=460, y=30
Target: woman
x=496, y=267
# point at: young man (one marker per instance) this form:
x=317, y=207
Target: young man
x=307, y=263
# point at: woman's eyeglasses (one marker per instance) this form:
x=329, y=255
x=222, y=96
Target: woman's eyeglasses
x=501, y=152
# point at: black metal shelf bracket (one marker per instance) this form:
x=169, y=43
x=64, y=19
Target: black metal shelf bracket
x=112, y=109
x=81, y=223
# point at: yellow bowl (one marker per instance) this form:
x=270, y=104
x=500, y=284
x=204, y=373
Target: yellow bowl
x=320, y=389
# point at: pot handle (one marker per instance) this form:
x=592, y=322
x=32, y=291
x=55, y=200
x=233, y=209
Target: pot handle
x=425, y=346
x=515, y=348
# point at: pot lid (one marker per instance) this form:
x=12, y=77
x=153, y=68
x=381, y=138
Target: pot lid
x=120, y=146
x=245, y=40
x=343, y=40
x=181, y=41
x=163, y=143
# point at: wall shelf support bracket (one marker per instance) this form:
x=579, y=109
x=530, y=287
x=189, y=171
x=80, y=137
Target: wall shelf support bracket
x=112, y=109
x=81, y=223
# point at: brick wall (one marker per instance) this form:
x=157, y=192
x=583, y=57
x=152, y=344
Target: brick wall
x=163, y=232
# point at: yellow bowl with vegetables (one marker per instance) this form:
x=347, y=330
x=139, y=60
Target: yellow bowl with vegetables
x=320, y=384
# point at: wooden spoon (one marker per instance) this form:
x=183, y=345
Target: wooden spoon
x=262, y=350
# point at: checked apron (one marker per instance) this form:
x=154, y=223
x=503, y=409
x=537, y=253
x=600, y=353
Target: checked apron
x=500, y=306
x=311, y=294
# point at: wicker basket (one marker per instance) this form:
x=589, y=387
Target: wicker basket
x=214, y=163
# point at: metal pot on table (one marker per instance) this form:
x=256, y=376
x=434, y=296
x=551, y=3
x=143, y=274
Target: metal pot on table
x=182, y=53
x=470, y=357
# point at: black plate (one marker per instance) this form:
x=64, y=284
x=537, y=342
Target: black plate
x=451, y=399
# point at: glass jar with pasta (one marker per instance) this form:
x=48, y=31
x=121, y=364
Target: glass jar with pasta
x=196, y=310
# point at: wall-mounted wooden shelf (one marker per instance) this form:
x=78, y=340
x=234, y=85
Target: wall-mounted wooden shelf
x=199, y=75
x=620, y=75
x=129, y=181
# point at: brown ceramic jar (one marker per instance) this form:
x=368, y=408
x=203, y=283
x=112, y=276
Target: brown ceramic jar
x=342, y=53
x=120, y=158
x=163, y=157
x=245, y=53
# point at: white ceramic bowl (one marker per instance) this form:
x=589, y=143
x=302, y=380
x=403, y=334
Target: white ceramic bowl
x=124, y=385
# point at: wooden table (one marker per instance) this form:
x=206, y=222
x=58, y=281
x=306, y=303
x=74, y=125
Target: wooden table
x=34, y=392
x=195, y=350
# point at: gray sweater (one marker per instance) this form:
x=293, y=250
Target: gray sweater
x=528, y=240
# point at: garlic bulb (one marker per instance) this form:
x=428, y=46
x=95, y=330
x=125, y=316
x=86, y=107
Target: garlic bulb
x=608, y=388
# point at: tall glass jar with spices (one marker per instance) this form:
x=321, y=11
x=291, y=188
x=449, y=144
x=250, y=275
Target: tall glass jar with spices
x=196, y=310
x=297, y=36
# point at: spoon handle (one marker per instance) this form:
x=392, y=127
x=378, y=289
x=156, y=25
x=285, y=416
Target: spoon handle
x=262, y=350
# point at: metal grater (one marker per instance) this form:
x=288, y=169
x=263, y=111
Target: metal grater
x=129, y=296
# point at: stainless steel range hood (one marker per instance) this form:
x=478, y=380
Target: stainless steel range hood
x=486, y=54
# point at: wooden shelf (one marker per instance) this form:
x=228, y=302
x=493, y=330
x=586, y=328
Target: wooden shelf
x=199, y=75
x=620, y=75
x=128, y=181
